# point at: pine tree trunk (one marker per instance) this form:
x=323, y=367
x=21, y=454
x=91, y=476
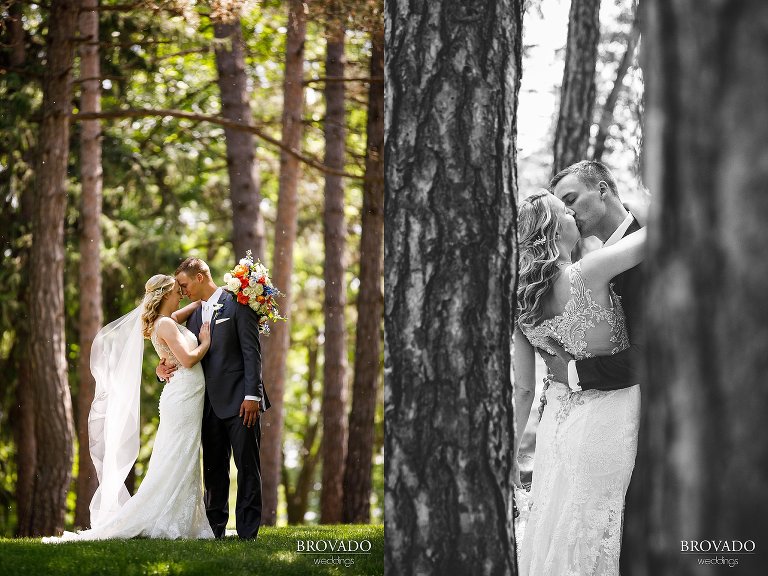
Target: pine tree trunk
x=706, y=136
x=606, y=117
x=357, y=471
x=453, y=74
x=48, y=367
x=22, y=415
x=334, y=442
x=577, y=94
x=242, y=166
x=297, y=498
x=275, y=348
x=90, y=251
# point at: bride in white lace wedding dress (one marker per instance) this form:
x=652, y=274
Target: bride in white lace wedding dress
x=169, y=501
x=586, y=440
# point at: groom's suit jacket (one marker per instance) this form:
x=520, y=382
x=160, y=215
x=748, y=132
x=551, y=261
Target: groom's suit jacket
x=620, y=370
x=232, y=366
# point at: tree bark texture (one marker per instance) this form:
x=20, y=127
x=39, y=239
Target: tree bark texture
x=90, y=251
x=706, y=137
x=275, y=348
x=334, y=443
x=357, y=471
x=48, y=367
x=453, y=74
x=297, y=498
x=22, y=414
x=242, y=166
x=577, y=93
x=606, y=117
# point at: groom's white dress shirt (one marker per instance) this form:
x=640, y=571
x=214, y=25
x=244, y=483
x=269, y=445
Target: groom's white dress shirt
x=209, y=306
x=618, y=234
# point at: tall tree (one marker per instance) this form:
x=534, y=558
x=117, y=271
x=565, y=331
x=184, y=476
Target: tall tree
x=577, y=93
x=242, y=166
x=276, y=346
x=297, y=496
x=48, y=366
x=334, y=443
x=607, y=114
x=23, y=413
x=450, y=274
x=706, y=136
x=90, y=248
x=357, y=471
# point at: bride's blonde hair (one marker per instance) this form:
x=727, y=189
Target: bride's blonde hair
x=154, y=291
x=537, y=227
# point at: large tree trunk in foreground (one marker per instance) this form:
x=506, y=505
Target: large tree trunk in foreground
x=48, y=366
x=90, y=251
x=707, y=133
x=334, y=443
x=276, y=346
x=242, y=166
x=450, y=262
x=357, y=472
x=577, y=93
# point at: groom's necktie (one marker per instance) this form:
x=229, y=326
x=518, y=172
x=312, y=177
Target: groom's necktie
x=208, y=306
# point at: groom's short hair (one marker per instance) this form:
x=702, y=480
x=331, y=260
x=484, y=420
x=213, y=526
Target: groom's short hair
x=193, y=266
x=589, y=172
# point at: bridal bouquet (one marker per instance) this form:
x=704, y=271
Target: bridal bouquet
x=249, y=281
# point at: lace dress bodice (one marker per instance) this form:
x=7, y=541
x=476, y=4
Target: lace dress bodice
x=162, y=348
x=586, y=441
x=585, y=328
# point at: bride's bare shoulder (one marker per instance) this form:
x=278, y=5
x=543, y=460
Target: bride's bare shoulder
x=165, y=325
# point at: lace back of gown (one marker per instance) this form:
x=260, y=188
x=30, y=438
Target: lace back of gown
x=586, y=442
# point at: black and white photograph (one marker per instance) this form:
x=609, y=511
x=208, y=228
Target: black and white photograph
x=574, y=313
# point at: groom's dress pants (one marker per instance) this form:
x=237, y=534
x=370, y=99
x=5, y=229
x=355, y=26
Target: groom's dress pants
x=223, y=437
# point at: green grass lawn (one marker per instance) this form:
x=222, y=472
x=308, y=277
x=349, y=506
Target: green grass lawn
x=274, y=553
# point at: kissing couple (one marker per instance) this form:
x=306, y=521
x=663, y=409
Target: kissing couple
x=584, y=318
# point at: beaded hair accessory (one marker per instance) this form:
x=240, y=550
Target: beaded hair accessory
x=159, y=289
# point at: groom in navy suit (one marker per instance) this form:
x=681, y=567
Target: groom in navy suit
x=589, y=192
x=234, y=399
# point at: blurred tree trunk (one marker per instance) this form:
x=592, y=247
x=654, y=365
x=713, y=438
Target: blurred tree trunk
x=48, y=366
x=706, y=137
x=453, y=72
x=334, y=442
x=276, y=346
x=90, y=250
x=357, y=471
x=23, y=411
x=297, y=498
x=577, y=93
x=606, y=117
x=242, y=166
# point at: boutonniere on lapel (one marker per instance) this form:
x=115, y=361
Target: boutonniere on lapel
x=249, y=281
x=216, y=307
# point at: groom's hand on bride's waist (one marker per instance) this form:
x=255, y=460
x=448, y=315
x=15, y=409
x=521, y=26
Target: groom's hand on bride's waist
x=557, y=364
x=164, y=370
x=249, y=412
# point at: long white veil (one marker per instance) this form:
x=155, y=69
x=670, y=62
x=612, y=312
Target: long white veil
x=113, y=423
